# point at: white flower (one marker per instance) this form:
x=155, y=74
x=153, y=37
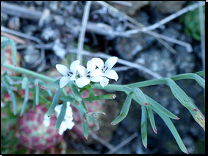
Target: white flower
x=46, y=120
x=87, y=75
x=106, y=69
x=67, y=123
x=67, y=74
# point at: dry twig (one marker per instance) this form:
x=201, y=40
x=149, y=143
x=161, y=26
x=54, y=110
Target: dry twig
x=165, y=20
x=123, y=143
x=82, y=33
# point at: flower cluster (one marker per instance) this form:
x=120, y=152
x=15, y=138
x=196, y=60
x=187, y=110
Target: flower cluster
x=67, y=123
x=96, y=71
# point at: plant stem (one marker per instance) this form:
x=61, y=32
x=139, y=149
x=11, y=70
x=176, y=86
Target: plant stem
x=29, y=72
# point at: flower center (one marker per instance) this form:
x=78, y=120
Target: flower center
x=70, y=74
x=104, y=69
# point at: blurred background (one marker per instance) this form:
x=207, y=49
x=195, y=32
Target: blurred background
x=47, y=33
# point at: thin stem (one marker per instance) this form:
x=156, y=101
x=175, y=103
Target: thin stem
x=29, y=72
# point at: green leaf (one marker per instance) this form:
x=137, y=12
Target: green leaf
x=36, y=92
x=173, y=130
x=180, y=95
x=11, y=95
x=50, y=93
x=152, y=121
x=140, y=96
x=14, y=104
x=198, y=118
x=200, y=80
x=54, y=102
x=85, y=126
x=2, y=91
x=3, y=56
x=100, y=97
x=24, y=82
x=25, y=99
x=75, y=91
x=156, y=106
x=61, y=115
x=14, y=52
x=144, y=126
x=10, y=81
x=50, y=86
x=125, y=109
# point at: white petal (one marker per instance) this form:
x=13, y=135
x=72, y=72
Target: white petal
x=81, y=70
x=112, y=74
x=46, y=120
x=62, y=69
x=73, y=66
x=91, y=66
x=81, y=82
x=58, y=109
x=96, y=72
x=96, y=78
x=62, y=128
x=69, y=124
x=73, y=77
x=99, y=62
x=64, y=80
x=104, y=82
x=111, y=62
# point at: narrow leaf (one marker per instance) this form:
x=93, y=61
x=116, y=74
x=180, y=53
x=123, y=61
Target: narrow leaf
x=51, y=86
x=2, y=91
x=152, y=121
x=173, y=130
x=125, y=109
x=24, y=82
x=180, y=95
x=9, y=80
x=54, y=102
x=198, y=118
x=5, y=43
x=14, y=52
x=85, y=126
x=11, y=95
x=25, y=99
x=100, y=97
x=61, y=115
x=140, y=96
x=144, y=126
x=14, y=104
x=200, y=80
x=36, y=92
x=49, y=93
x=3, y=56
x=75, y=91
x=156, y=106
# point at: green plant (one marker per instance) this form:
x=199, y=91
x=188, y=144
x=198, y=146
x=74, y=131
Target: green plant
x=133, y=91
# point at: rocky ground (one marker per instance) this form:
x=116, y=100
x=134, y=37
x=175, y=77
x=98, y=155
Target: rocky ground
x=55, y=26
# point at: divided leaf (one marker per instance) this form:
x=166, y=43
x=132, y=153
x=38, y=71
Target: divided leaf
x=51, y=86
x=75, y=91
x=144, y=126
x=125, y=109
x=140, y=96
x=152, y=120
x=180, y=95
x=25, y=99
x=200, y=80
x=54, y=102
x=61, y=115
x=156, y=106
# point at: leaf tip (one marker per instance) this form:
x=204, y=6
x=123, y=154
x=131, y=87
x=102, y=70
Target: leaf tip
x=155, y=130
x=195, y=110
x=145, y=146
x=187, y=151
x=177, y=118
x=146, y=104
